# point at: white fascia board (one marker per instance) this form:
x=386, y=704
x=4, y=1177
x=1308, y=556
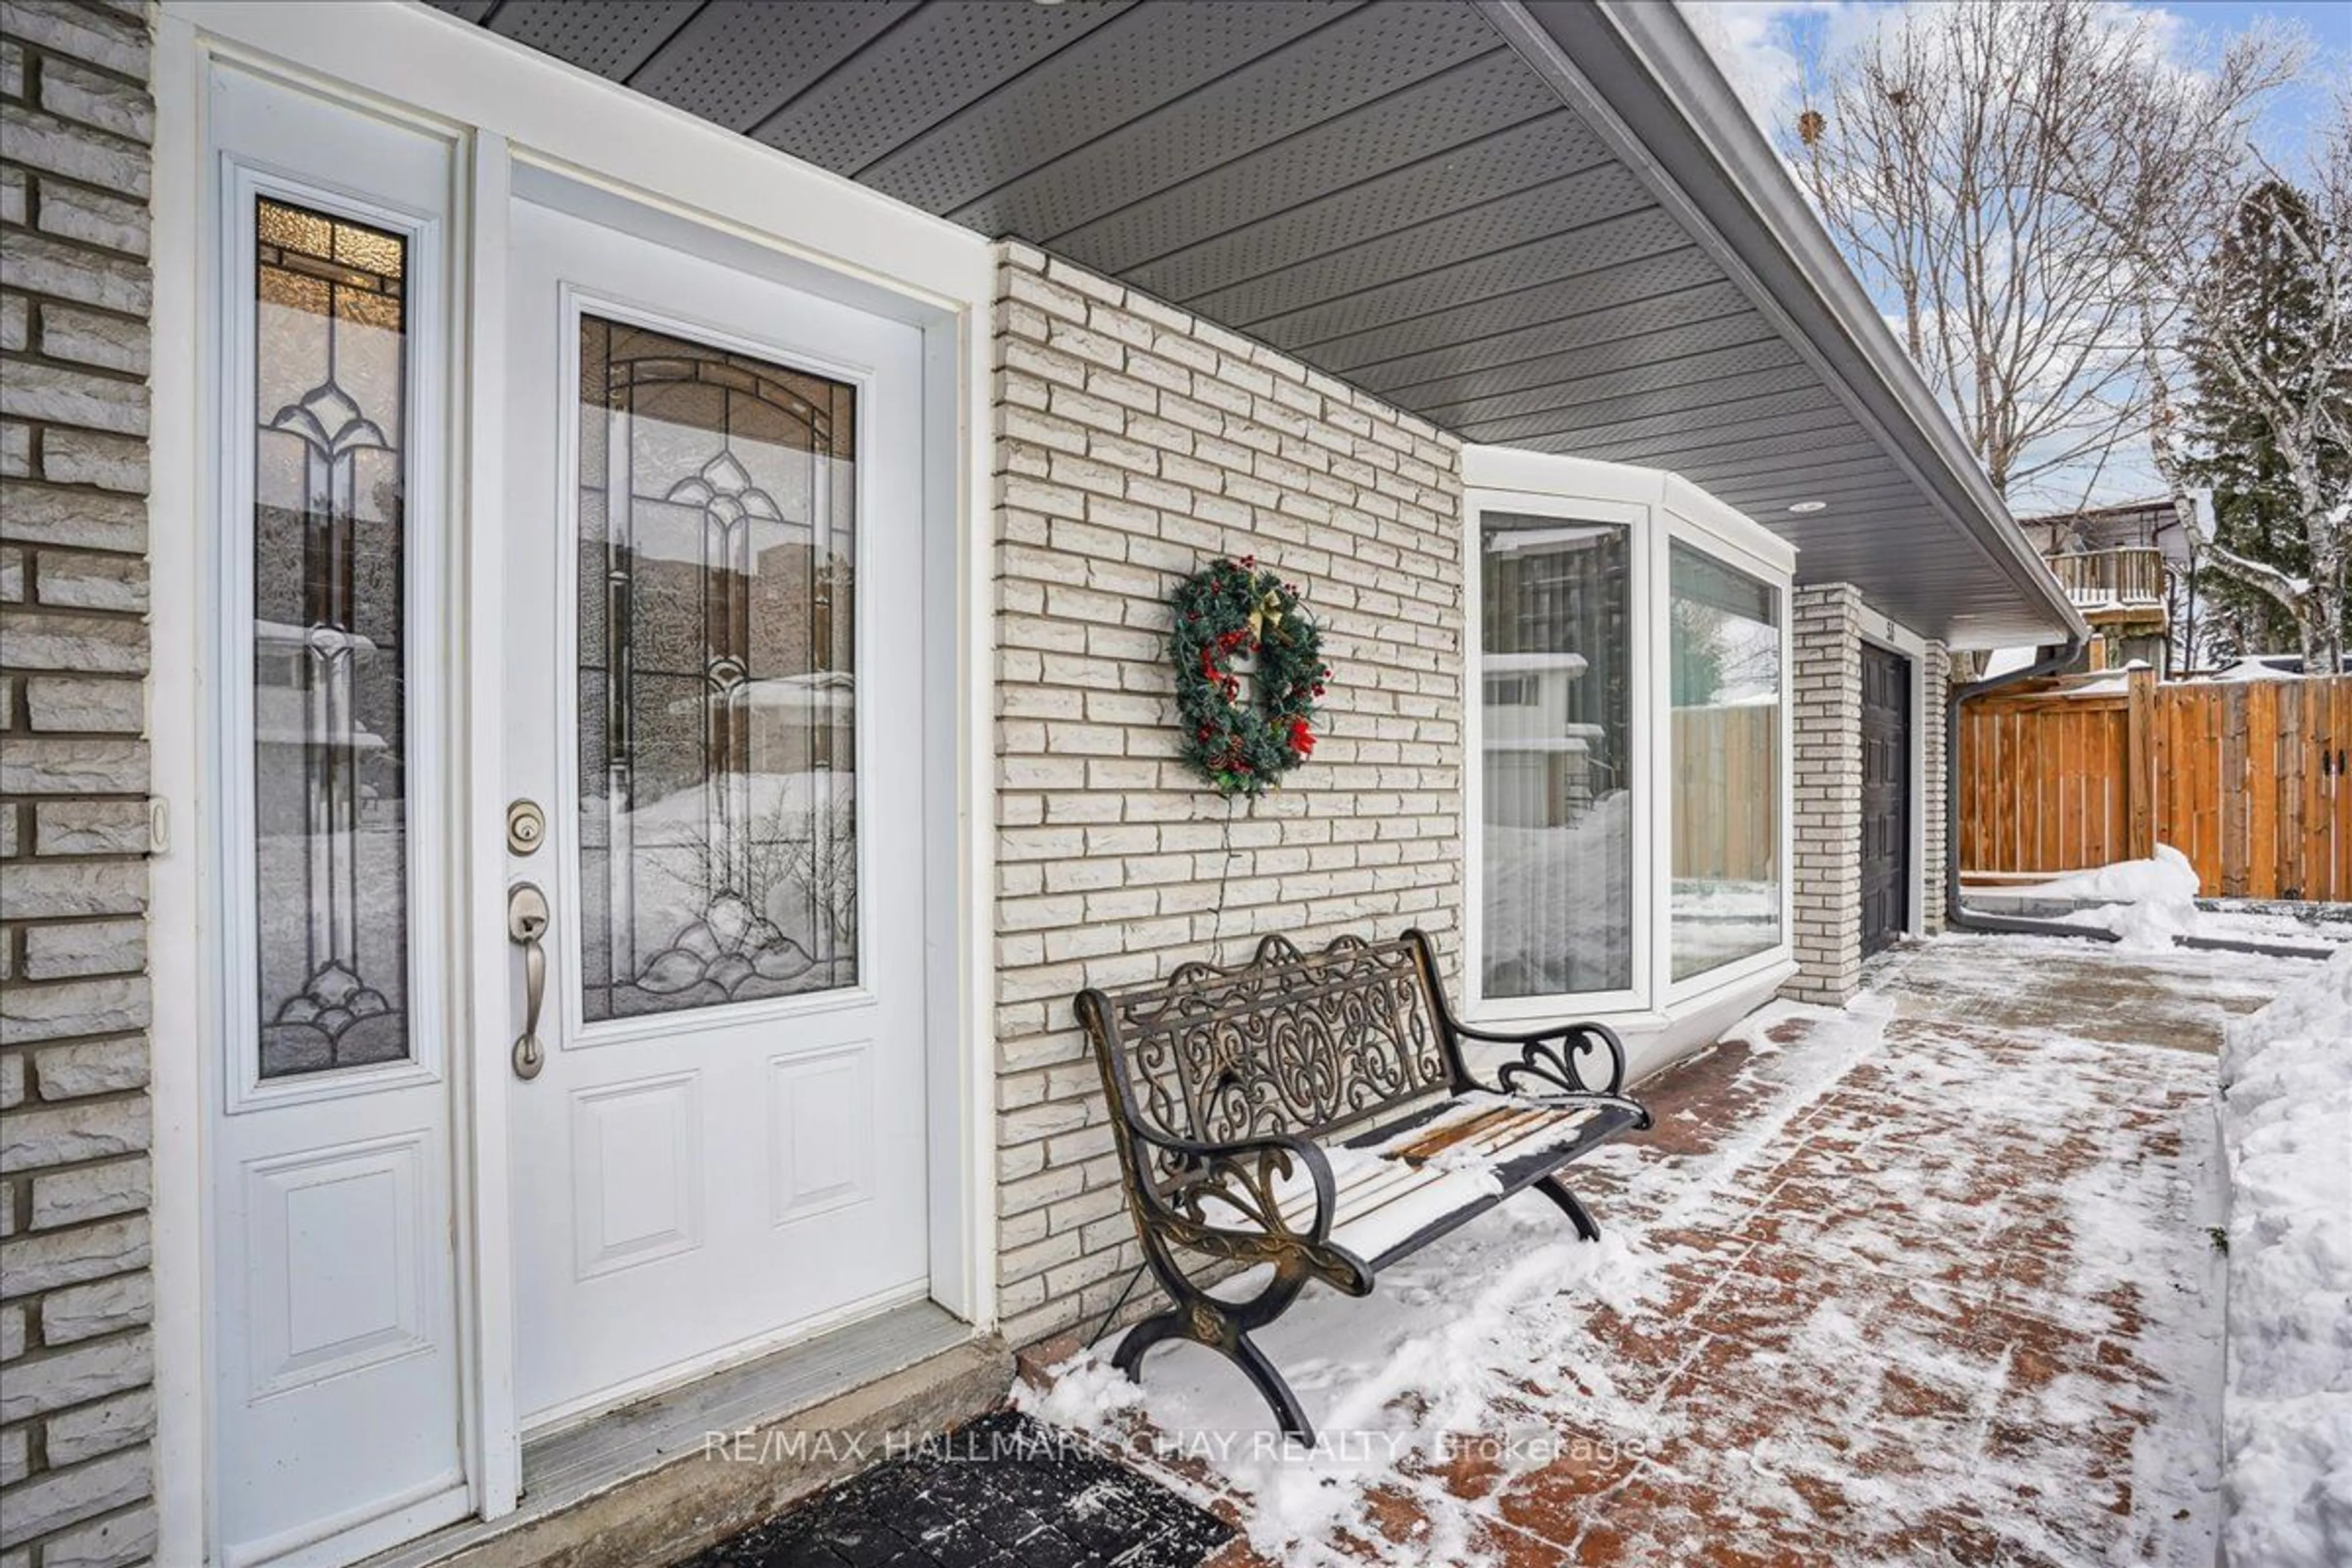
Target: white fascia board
x=1727, y=522
x=1551, y=473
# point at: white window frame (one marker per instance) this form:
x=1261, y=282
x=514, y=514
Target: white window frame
x=1719, y=540
x=1660, y=509
x=1641, y=571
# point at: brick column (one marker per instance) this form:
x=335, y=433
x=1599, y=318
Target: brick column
x=77, y=1410
x=1935, y=673
x=1827, y=865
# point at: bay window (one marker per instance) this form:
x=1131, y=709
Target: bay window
x=1628, y=768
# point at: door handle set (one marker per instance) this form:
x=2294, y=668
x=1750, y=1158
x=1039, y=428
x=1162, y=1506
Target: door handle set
x=527, y=922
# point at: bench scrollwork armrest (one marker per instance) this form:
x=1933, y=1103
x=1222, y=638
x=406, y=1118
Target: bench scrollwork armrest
x=1560, y=1061
x=1229, y=1205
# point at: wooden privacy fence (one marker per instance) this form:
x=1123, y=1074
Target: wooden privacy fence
x=2248, y=779
x=1723, y=794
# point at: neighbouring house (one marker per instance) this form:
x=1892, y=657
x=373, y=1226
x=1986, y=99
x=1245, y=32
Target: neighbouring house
x=2128, y=570
x=586, y=641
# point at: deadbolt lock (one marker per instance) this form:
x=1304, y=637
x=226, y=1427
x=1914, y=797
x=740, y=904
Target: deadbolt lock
x=526, y=827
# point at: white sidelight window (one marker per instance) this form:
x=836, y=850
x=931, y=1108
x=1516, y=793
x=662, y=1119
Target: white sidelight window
x=1627, y=833
x=1555, y=661
x=336, y=1407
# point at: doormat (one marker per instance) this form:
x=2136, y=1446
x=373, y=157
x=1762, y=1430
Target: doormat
x=1004, y=1492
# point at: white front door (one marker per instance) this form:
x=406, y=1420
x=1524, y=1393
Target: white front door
x=714, y=690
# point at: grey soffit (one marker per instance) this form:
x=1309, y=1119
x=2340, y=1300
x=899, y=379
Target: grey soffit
x=1519, y=220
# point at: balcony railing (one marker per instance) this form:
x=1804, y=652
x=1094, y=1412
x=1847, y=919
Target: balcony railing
x=2129, y=576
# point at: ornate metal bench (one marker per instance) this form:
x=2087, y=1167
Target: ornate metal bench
x=1313, y=1113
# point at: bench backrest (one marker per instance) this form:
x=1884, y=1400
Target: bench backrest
x=1288, y=1042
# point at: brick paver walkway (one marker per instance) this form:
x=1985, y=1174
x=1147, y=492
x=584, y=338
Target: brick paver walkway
x=1930, y=1284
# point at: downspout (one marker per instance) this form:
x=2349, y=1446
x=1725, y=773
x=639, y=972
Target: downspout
x=2051, y=660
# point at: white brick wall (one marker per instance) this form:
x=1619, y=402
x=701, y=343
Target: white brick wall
x=77, y=1413
x=1936, y=670
x=1136, y=445
x=1827, y=690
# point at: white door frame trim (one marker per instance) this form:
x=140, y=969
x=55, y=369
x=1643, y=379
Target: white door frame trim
x=508, y=103
x=176, y=891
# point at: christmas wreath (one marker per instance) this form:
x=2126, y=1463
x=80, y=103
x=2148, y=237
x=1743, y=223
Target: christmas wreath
x=1230, y=612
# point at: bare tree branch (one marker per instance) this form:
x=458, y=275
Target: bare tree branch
x=1976, y=161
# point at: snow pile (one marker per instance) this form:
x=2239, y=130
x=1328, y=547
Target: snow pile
x=2287, y=1415
x=2146, y=903
x=2168, y=876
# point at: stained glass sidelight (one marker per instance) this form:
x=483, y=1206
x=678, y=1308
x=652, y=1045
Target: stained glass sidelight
x=718, y=695
x=330, y=722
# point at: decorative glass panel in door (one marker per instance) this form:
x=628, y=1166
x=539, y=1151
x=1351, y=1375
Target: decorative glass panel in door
x=718, y=687
x=329, y=785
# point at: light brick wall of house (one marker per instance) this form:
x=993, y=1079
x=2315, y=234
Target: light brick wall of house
x=1936, y=757
x=1134, y=445
x=76, y=1411
x=1826, y=687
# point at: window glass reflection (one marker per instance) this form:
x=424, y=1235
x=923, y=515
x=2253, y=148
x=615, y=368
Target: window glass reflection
x=1726, y=639
x=1554, y=680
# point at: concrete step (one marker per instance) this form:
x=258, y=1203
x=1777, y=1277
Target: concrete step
x=697, y=1465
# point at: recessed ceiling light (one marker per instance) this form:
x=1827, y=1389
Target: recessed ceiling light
x=1804, y=506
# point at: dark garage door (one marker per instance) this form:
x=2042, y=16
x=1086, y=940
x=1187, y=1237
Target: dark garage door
x=1886, y=797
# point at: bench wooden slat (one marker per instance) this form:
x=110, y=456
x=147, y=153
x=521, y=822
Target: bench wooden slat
x=1514, y=1144
x=1515, y=1175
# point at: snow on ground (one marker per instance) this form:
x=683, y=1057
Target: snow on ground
x=1439, y=1360
x=2287, y=1412
x=2149, y=903
x=1925, y=1272
x=2168, y=876
x=2311, y=926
